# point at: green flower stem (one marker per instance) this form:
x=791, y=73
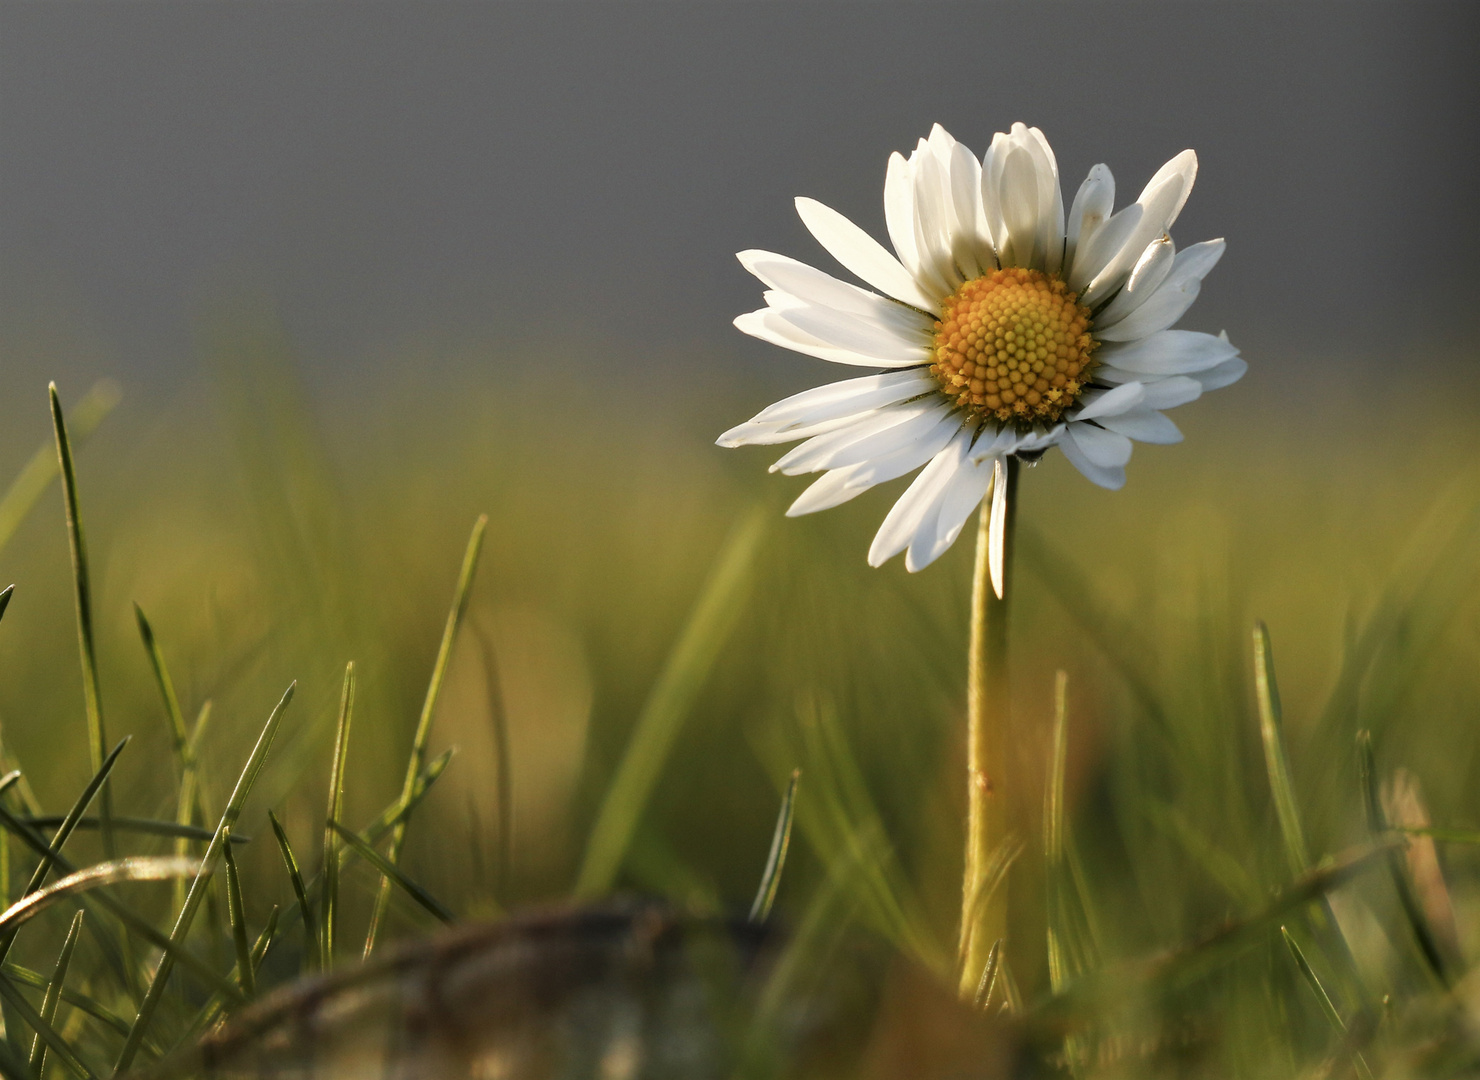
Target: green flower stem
x=988, y=706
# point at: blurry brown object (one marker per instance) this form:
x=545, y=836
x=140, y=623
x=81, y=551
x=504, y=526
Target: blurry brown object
x=1403, y=803
x=625, y=992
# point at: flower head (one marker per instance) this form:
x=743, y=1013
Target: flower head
x=1002, y=327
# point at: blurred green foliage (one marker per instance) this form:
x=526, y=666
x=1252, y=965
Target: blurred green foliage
x=271, y=536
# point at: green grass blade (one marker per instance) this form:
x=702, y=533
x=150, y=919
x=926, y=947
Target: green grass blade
x=27, y=488
x=97, y=737
x=5, y=595
x=166, y=686
x=53, y=994
x=237, y=913
x=191, y=800
x=397, y=811
x=668, y=705
x=64, y=831
x=765, y=896
x=145, y=826
x=44, y=1031
x=336, y=810
x=988, y=981
x=193, y=898
x=133, y=868
x=77, y=1000
x=1276, y=760
x=122, y=912
x=392, y=874
x=1328, y=1007
x=305, y=909
x=417, y=760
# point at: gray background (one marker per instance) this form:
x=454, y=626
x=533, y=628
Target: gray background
x=420, y=172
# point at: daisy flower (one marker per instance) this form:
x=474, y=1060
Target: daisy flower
x=1001, y=327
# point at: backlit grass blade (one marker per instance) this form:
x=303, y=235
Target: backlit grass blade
x=77, y=1000
x=392, y=874
x=97, y=737
x=198, y=887
x=765, y=896
x=668, y=705
x=192, y=798
x=237, y=913
x=134, y=868
x=145, y=826
x=336, y=809
x=988, y=982
x=166, y=686
x=417, y=759
x=44, y=1031
x=397, y=811
x=52, y=997
x=1276, y=760
x=64, y=832
x=136, y=924
x=30, y=484
x=1328, y=1007
x=5, y=595
x=295, y=876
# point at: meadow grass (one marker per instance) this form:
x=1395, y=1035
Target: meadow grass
x=1244, y=816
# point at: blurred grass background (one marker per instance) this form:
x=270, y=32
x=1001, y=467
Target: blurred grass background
x=272, y=535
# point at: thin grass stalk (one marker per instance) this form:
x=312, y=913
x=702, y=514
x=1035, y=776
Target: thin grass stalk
x=1328, y=1007
x=77, y=1000
x=393, y=874
x=765, y=896
x=988, y=981
x=1276, y=760
x=97, y=737
x=191, y=800
x=198, y=887
x=178, y=736
x=5, y=595
x=668, y=705
x=988, y=710
x=53, y=995
x=44, y=1031
x=237, y=912
x=429, y=707
x=503, y=764
x=295, y=876
x=336, y=809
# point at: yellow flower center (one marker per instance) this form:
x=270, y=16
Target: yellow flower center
x=1014, y=345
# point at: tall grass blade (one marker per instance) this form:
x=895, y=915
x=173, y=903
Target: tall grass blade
x=418, y=756
x=1328, y=1007
x=237, y=913
x=192, y=798
x=178, y=735
x=97, y=737
x=392, y=874
x=30, y=484
x=765, y=896
x=668, y=705
x=198, y=887
x=52, y=997
x=305, y=909
x=336, y=810
x=1276, y=760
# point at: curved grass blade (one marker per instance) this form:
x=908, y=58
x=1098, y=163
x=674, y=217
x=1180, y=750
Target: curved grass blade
x=134, y=868
x=122, y=912
x=417, y=760
x=30, y=484
x=53, y=993
x=97, y=736
x=668, y=705
x=765, y=896
x=336, y=810
x=64, y=831
x=237, y=913
x=392, y=874
x=193, y=898
x=305, y=909
x=1328, y=1007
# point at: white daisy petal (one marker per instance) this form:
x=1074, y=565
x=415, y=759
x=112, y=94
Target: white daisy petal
x=1110, y=402
x=1050, y=205
x=1168, y=301
x=1112, y=478
x=899, y=212
x=969, y=241
x=1146, y=277
x=889, y=347
x=1177, y=175
x=963, y=494
x=832, y=488
x=904, y=517
x=934, y=219
x=1143, y=425
x=837, y=486
x=1171, y=392
x=1019, y=198
x=1095, y=253
x=768, y=325
x=1092, y=205
x=752, y=434
x=1169, y=352
x=1225, y=374
x=813, y=286
x=1160, y=202
x=832, y=400
x=881, y=432
x=1104, y=448
x=937, y=425
x=861, y=254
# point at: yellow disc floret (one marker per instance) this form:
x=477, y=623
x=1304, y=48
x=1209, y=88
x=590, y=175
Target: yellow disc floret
x=1014, y=345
